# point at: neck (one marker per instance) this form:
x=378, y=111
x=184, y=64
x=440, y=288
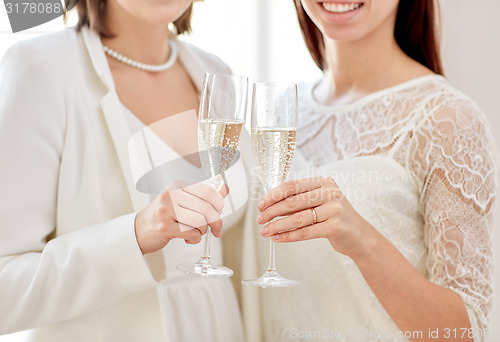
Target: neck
x=355, y=65
x=358, y=68
x=136, y=39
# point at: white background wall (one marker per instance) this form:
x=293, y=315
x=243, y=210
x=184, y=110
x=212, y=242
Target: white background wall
x=261, y=39
x=471, y=45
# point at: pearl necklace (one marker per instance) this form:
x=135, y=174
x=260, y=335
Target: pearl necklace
x=147, y=67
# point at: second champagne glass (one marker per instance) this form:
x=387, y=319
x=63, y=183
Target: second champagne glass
x=221, y=118
x=274, y=129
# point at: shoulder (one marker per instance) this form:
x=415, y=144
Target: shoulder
x=449, y=110
x=444, y=111
x=49, y=54
x=458, y=130
x=210, y=62
x=442, y=100
x=456, y=139
x=49, y=48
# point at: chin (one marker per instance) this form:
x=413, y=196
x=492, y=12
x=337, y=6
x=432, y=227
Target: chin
x=155, y=18
x=164, y=13
x=160, y=20
x=342, y=34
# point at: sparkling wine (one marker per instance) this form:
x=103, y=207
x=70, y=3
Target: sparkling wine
x=273, y=150
x=218, y=141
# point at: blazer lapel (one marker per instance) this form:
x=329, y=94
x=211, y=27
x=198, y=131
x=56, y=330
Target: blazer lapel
x=114, y=116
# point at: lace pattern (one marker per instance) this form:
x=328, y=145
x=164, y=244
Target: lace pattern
x=443, y=140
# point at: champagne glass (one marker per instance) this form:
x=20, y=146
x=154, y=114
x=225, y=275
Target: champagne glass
x=220, y=121
x=274, y=129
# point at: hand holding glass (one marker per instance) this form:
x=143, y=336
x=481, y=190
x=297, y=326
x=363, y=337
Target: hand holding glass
x=221, y=118
x=274, y=129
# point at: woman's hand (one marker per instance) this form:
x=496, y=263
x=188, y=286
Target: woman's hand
x=336, y=219
x=184, y=213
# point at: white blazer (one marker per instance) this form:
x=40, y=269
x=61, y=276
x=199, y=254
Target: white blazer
x=70, y=266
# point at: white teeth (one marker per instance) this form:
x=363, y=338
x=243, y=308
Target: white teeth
x=339, y=8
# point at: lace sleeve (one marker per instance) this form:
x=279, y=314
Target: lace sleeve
x=457, y=158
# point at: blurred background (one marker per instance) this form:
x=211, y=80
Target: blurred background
x=262, y=39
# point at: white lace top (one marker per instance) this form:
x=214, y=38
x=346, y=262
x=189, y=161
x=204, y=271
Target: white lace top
x=418, y=162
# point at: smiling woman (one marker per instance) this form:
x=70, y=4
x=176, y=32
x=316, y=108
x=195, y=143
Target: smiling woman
x=408, y=250
x=72, y=222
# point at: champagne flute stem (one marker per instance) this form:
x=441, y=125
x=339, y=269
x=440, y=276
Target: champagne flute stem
x=205, y=257
x=271, y=267
x=206, y=246
x=272, y=262
x=224, y=181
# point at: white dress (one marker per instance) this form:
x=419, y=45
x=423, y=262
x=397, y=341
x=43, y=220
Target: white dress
x=417, y=161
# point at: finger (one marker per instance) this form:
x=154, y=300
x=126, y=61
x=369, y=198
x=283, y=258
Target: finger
x=189, y=211
x=295, y=204
x=206, y=193
x=196, y=204
x=314, y=231
x=190, y=218
x=288, y=189
x=216, y=228
x=191, y=236
x=184, y=228
x=197, y=215
x=297, y=220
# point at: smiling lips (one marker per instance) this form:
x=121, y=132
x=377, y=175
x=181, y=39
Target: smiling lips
x=340, y=7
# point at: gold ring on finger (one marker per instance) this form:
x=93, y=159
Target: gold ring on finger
x=315, y=217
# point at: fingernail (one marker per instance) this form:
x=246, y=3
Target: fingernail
x=264, y=231
x=261, y=204
x=275, y=237
x=259, y=219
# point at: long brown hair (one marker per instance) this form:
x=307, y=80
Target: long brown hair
x=416, y=32
x=91, y=14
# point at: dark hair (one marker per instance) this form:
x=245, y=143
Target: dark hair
x=91, y=14
x=416, y=32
